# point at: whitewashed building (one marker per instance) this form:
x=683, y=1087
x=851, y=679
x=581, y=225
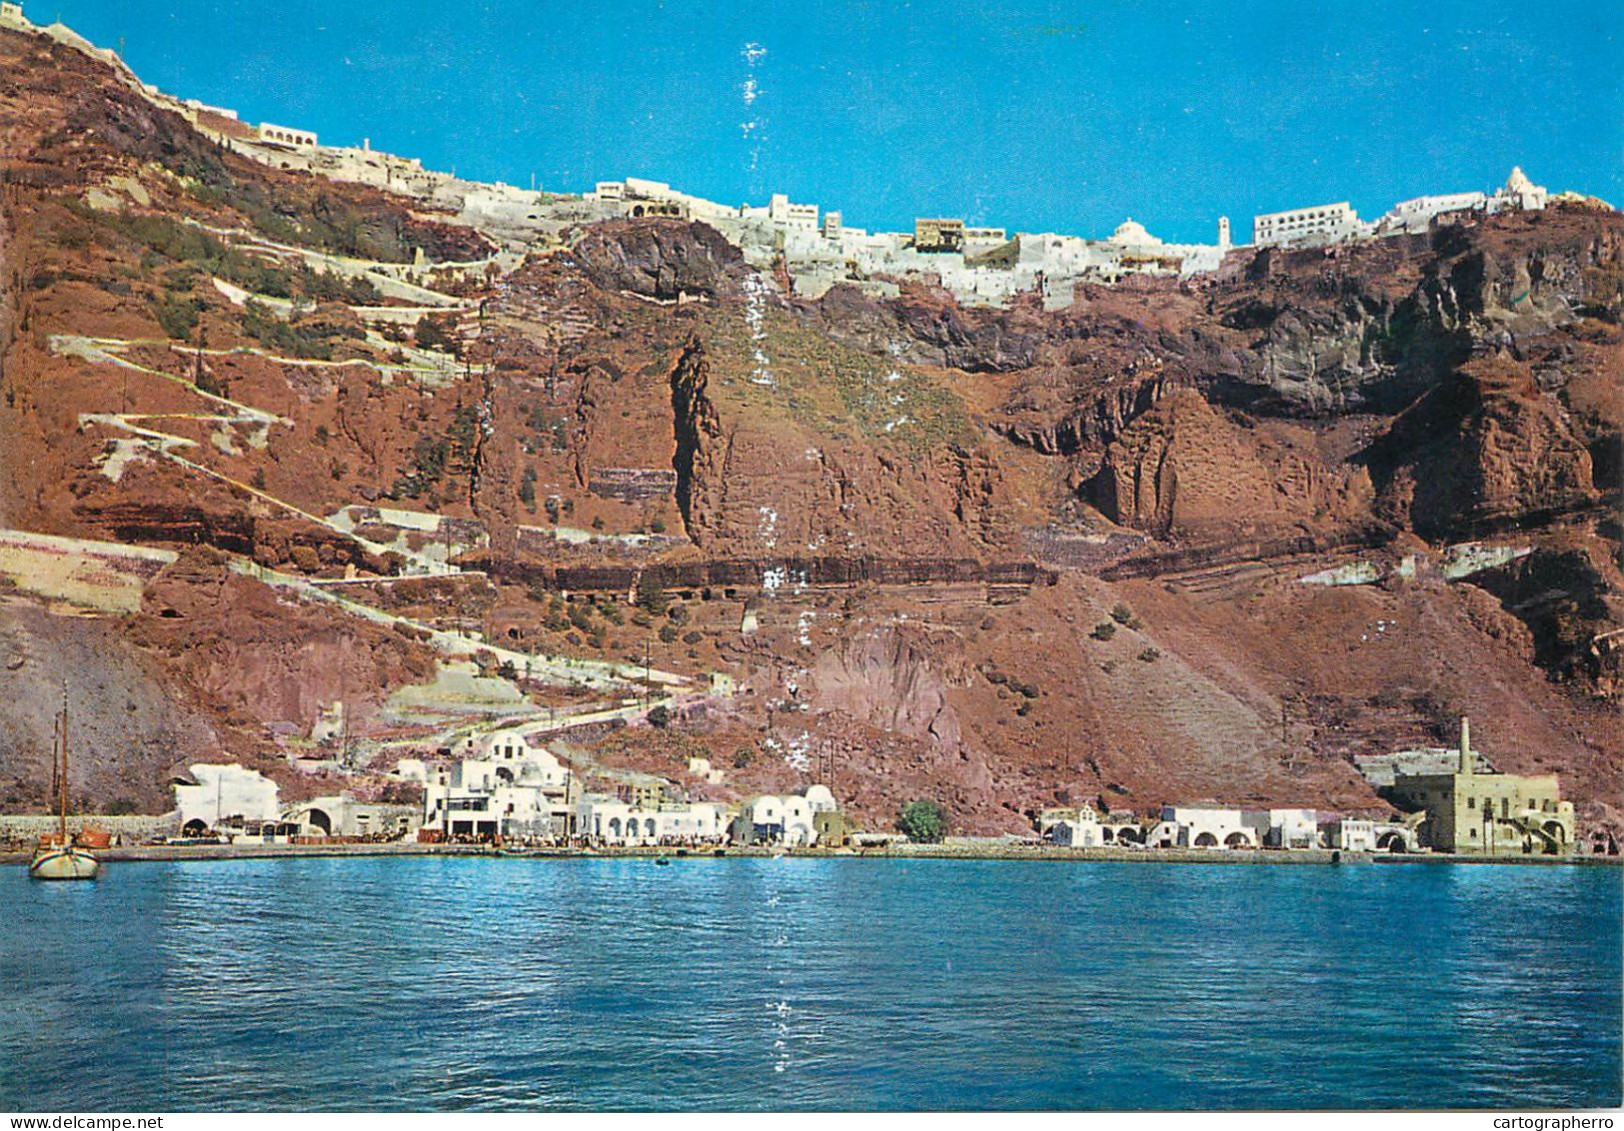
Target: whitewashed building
x=1293, y=828
x=508, y=788
x=614, y=821
x=1417, y=214
x=1078, y=828
x=1352, y=834
x=285, y=135
x=341, y=815
x=787, y=820
x=1201, y=827
x=1519, y=193
x=1319, y=224
x=218, y=794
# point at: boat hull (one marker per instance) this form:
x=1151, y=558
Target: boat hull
x=64, y=864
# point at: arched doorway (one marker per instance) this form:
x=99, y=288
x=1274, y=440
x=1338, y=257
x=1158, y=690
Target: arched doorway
x=194, y=827
x=1391, y=842
x=319, y=820
x=1237, y=840
x=1206, y=840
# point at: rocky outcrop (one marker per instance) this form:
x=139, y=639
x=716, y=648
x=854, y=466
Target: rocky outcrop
x=660, y=259
x=1481, y=450
x=897, y=677
x=1182, y=468
x=931, y=330
x=1572, y=604
x=698, y=461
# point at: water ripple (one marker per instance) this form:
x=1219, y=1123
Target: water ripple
x=447, y=984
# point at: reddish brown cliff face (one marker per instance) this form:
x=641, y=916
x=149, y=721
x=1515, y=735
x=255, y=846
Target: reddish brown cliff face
x=901, y=534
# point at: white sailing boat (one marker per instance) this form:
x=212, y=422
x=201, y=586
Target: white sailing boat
x=60, y=857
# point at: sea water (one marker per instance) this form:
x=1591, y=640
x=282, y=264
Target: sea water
x=447, y=983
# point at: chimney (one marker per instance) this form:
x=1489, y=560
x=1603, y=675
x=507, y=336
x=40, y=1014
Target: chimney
x=1465, y=745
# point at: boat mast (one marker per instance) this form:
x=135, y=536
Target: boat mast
x=62, y=806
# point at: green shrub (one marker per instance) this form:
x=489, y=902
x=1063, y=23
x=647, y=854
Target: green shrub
x=177, y=316
x=923, y=822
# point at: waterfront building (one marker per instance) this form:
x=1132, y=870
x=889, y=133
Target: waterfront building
x=1121, y=827
x=1352, y=834
x=1292, y=828
x=1365, y=834
x=214, y=795
x=1469, y=811
x=340, y=815
x=1077, y=827
x=833, y=828
x=1080, y=828
x=614, y=820
x=789, y=820
x=1204, y=827
x=507, y=788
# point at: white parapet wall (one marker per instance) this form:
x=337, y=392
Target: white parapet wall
x=106, y=577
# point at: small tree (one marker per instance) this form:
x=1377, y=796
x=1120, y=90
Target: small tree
x=431, y=334
x=650, y=593
x=1104, y=630
x=922, y=822
x=1121, y=613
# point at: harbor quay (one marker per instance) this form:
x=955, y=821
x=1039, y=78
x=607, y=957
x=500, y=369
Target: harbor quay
x=964, y=848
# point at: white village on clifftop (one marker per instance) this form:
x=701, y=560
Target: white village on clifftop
x=977, y=264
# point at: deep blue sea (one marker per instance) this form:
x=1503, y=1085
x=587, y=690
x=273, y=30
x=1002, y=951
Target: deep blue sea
x=443, y=983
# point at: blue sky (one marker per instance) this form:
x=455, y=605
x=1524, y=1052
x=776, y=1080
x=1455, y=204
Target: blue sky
x=1033, y=115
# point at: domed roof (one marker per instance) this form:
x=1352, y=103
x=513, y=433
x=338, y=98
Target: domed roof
x=1518, y=181
x=1132, y=232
